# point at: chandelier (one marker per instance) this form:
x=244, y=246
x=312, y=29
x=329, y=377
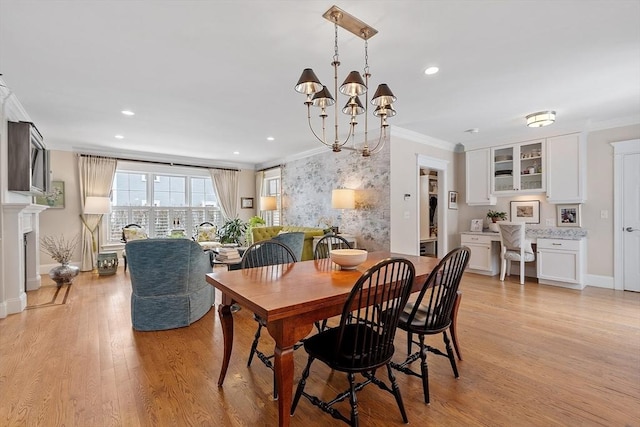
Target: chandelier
x=353, y=87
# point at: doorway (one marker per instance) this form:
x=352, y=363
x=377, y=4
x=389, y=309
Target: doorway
x=437, y=236
x=626, y=183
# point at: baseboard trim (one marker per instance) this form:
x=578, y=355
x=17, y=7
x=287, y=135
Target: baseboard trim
x=598, y=281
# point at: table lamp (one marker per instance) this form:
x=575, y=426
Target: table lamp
x=269, y=203
x=343, y=198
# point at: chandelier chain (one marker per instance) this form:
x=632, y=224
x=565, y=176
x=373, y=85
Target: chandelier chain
x=366, y=57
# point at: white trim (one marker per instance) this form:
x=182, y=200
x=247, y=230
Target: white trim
x=620, y=148
x=293, y=157
x=598, y=281
x=421, y=138
x=441, y=166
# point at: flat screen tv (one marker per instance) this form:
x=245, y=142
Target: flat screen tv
x=29, y=170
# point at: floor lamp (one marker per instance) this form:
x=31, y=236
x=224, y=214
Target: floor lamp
x=94, y=205
x=269, y=203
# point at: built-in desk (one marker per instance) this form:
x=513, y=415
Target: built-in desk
x=560, y=254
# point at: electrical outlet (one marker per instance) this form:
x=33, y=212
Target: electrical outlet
x=604, y=214
x=549, y=222
x=407, y=214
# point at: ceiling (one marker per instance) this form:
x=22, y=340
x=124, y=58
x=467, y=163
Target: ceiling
x=207, y=78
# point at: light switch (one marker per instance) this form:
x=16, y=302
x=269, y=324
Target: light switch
x=604, y=214
x=407, y=214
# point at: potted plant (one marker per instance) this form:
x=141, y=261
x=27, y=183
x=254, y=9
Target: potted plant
x=61, y=250
x=232, y=231
x=254, y=221
x=495, y=216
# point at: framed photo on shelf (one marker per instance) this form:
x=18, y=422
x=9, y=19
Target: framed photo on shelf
x=246, y=202
x=568, y=215
x=476, y=225
x=453, y=200
x=527, y=211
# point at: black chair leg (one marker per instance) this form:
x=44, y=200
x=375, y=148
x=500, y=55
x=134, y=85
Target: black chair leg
x=125, y=263
x=409, y=342
x=424, y=369
x=254, y=345
x=301, y=384
x=450, y=354
x=396, y=393
x=353, y=400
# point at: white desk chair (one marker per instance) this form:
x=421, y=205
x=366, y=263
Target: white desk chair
x=514, y=247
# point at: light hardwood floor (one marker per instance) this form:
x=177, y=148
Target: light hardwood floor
x=533, y=355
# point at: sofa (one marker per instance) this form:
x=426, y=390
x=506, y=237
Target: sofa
x=168, y=285
x=266, y=233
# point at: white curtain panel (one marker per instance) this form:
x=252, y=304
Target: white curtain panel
x=96, y=179
x=225, y=183
x=260, y=185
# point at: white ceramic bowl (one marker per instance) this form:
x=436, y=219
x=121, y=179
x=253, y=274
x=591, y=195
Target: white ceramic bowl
x=348, y=259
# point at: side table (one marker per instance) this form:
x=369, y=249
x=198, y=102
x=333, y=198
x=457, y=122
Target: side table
x=107, y=263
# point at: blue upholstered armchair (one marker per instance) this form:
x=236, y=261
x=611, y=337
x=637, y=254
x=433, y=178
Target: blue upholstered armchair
x=168, y=283
x=293, y=240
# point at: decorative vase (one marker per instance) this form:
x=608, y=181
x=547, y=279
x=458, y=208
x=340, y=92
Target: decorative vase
x=493, y=226
x=64, y=273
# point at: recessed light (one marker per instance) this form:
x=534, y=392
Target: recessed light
x=236, y=152
x=431, y=70
x=270, y=138
x=472, y=130
x=128, y=112
x=119, y=137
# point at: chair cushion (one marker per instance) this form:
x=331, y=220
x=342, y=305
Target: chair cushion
x=206, y=233
x=134, y=233
x=515, y=256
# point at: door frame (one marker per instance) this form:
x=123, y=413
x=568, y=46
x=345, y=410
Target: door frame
x=620, y=149
x=441, y=166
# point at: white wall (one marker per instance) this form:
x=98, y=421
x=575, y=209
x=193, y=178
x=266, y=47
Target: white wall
x=405, y=178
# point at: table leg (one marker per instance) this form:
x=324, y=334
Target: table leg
x=226, y=318
x=286, y=334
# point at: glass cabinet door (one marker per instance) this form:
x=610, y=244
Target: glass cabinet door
x=503, y=169
x=531, y=166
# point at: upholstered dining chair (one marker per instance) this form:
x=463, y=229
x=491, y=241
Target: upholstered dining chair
x=363, y=342
x=131, y=232
x=323, y=250
x=260, y=254
x=514, y=247
x=431, y=313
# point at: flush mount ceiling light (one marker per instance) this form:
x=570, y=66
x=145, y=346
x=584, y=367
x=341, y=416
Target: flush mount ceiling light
x=319, y=96
x=541, y=118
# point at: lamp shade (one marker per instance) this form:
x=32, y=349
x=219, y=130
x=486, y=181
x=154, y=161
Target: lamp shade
x=540, y=119
x=322, y=98
x=308, y=82
x=268, y=203
x=97, y=205
x=383, y=96
x=343, y=198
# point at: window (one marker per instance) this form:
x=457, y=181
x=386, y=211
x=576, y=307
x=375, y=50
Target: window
x=272, y=188
x=160, y=202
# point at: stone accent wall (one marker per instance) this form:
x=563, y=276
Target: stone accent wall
x=307, y=186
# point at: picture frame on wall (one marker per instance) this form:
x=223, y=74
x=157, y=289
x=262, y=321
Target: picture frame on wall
x=453, y=200
x=568, y=215
x=527, y=211
x=246, y=202
x=54, y=198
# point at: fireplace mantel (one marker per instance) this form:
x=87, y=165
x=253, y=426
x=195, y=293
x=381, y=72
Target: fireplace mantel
x=19, y=273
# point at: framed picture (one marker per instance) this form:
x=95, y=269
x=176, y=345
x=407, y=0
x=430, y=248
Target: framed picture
x=54, y=198
x=568, y=215
x=527, y=211
x=476, y=225
x=246, y=202
x=453, y=200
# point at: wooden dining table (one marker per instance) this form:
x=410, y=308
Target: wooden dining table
x=291, y=297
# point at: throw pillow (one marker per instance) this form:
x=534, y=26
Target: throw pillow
x=206, y=234
x=134, y=233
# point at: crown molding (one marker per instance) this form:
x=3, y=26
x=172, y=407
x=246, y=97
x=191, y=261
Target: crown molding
x=421, y=138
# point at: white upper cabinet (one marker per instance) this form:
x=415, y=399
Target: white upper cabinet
x=518, y=168
x=478, y=178
x=566, y=165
